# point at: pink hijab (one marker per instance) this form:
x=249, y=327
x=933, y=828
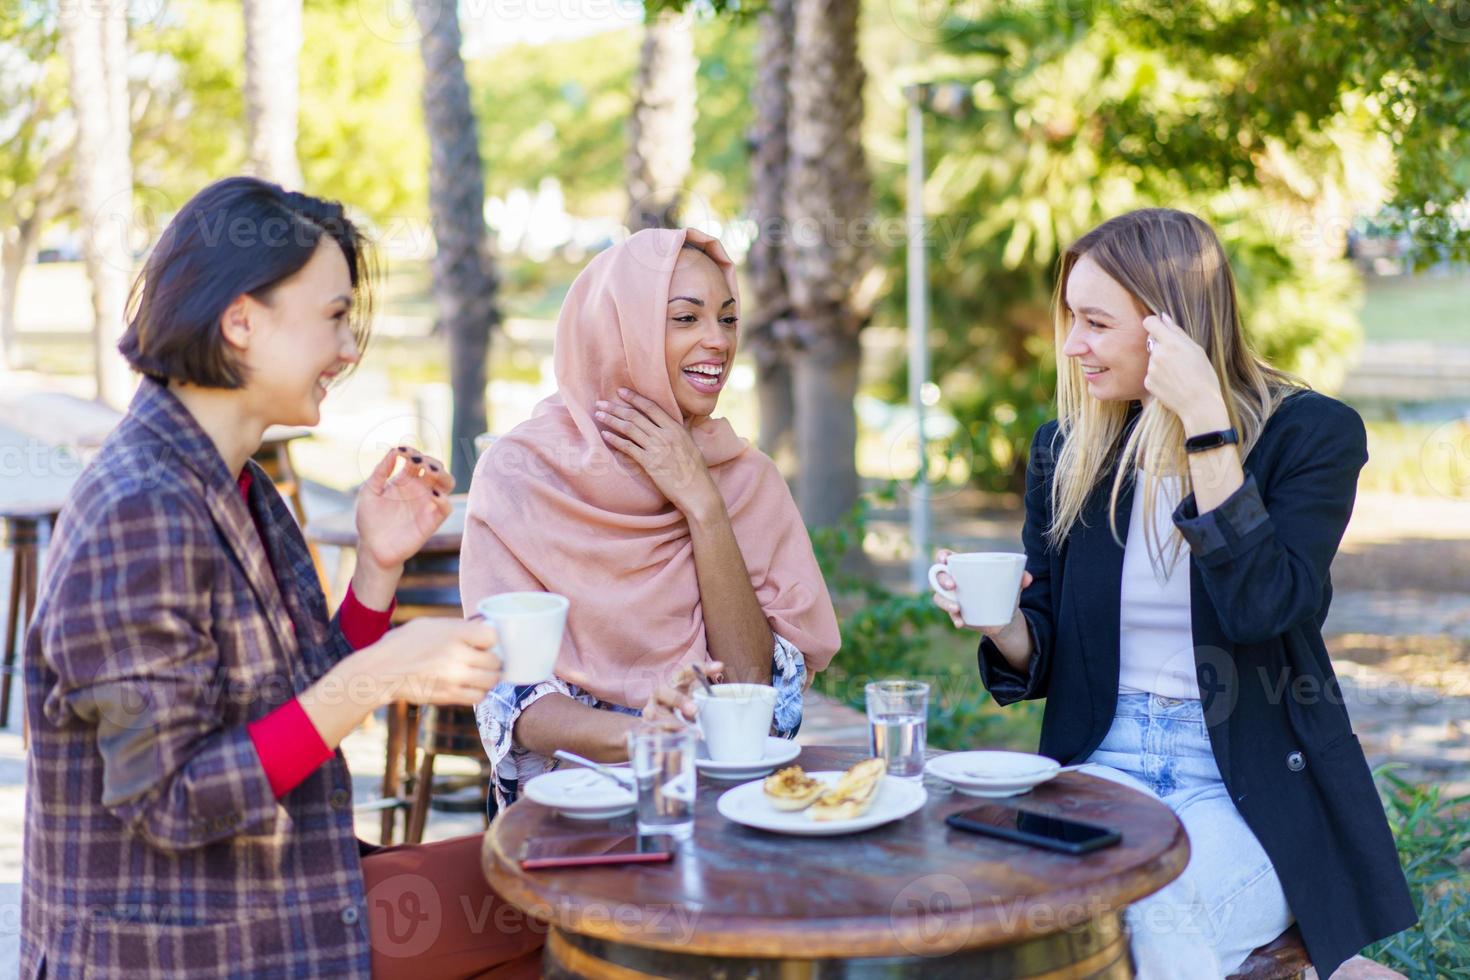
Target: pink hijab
x=553, y=508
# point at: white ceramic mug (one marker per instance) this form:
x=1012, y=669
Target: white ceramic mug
x=529, y=627
x=989, y=584
x=734, y=722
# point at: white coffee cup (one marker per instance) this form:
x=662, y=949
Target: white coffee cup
x=529, y=627
x=734, y=722
x=989, y=583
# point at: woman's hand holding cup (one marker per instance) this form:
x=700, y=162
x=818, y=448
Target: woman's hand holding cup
x=990, y=585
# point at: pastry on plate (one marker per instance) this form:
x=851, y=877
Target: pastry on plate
x=852, y=795
x=792, y=789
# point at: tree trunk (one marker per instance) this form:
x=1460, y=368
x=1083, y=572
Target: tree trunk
x=768, y=311
x=464, y=271
x=827, y=253
x=94, y=40
x=19, y=242
x=661, y=127
x=273, y=37
x=825, y=379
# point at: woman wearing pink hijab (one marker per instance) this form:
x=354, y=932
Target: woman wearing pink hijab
x=676, y=541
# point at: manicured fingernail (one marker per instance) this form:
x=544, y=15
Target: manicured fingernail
x=418, y=459
x=601, y=415
x=623, y=392
x=600, y=403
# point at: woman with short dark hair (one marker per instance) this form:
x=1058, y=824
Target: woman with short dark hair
x=188, y=810
x=1182, y=513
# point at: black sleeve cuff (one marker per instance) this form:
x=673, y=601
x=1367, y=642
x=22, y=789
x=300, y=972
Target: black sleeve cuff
x=1231, y=528
x=1006, y=684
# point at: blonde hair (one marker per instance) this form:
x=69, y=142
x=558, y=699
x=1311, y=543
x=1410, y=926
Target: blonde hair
x=1168, y=261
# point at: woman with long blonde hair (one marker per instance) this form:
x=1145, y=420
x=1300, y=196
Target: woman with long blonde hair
x=1182, y=513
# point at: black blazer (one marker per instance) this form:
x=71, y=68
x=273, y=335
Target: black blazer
x=1259, y=592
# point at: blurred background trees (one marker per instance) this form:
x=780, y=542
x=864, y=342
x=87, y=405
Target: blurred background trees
x=1272, y=119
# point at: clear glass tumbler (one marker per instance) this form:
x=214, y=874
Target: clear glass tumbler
x=662, y=759
x=898, y=714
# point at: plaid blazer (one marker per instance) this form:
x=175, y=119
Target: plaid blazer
x=153, y=843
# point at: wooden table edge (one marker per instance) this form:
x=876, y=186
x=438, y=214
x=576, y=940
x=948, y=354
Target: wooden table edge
x=842, y=938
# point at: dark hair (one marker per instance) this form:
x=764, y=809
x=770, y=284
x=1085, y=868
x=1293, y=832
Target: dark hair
x=238, y=236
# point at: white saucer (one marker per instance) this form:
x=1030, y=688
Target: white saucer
x=581, y=794
x=747, y=805
x=992, y=774
x=779, y=751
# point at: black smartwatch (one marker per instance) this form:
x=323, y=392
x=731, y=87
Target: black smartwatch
x=1210, y=440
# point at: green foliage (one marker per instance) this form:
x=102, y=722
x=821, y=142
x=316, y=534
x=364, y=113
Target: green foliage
x=561, y=110
x=1433, y=839
x=1073, y=119
x=33, y=139
x=892, y=634
x=361, y=135
x=1307, y=60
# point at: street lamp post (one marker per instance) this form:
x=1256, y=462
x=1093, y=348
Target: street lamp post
x=918, y=336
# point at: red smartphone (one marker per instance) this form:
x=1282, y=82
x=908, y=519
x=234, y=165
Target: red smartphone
x=582, y=850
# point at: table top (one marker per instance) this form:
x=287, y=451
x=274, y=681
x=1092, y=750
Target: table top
x=912, y=887
x=339, y=530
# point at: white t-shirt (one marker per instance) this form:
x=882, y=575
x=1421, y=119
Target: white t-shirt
x=1155, y=640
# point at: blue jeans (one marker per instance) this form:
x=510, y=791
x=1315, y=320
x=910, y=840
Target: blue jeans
x=1228, y=901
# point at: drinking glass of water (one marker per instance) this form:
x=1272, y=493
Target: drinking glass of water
x=662, y=758
x=897, y=725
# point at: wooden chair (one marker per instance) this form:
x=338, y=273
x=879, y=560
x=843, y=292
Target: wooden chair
x=429, y=587
x=21, y=524
x=448, y=731
x=1283, y=958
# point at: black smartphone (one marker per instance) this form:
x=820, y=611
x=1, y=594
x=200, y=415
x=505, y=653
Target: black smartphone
x=581, y=850
x=1037, y=829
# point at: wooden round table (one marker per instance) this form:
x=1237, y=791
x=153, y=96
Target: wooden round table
x=909, y=899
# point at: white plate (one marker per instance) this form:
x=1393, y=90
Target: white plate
x=747, y=804
x=779, y=751
x=992, y=774
x=581, y=794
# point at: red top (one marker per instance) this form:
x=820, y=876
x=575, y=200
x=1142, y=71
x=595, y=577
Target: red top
x=289, y=746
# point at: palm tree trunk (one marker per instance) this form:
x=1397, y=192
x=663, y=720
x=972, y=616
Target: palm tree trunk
x=769, y=311
x=94, y=41
x=826, y=255
x=464, y=271
x=273, y=38
x=661, y=128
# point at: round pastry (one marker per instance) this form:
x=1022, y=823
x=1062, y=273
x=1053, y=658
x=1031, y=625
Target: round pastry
x=852, y=795
x=792, y=789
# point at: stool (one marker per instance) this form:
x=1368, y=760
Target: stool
x=22, y=533
x=449, y=731
x=1283, y=958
